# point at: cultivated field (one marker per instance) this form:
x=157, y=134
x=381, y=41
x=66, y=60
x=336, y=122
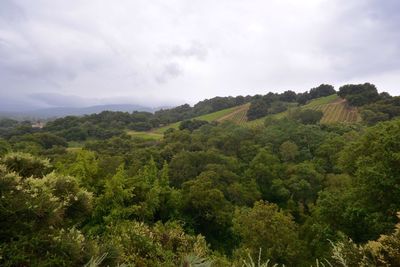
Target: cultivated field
x=237, y=116
x=335, y=109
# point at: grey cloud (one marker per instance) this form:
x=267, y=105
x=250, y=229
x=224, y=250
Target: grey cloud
x=59, y=100
x=196, y=50
x=169, y=71
x=147, y=49
x=363, y=38
x=11, y=11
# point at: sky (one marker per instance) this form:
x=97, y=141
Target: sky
x=169, y=52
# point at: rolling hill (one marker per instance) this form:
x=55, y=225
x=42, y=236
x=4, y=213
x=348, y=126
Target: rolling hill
x=335, y=110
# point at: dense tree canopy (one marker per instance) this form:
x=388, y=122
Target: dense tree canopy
x=82, y=190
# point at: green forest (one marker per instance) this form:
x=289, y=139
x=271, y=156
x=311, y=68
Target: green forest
x=289, y=191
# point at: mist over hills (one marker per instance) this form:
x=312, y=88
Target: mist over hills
x=56, y=112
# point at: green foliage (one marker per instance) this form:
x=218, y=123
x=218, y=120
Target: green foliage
x=187, y=165
x=207, y=209
x=381, y=252
x=84, y=166
x=138, y=244
x=204, y=196
x=374, y=162
x=265, y=226
x=26, y=165
x=115, y=203
x=4, y=147
x=38, y=219
x=304, y=182
x=191, y=125
x=307, y=116
x=288, y=151
x=264, y=169
x=385, y=109
x=359, y=94
x=321, y=91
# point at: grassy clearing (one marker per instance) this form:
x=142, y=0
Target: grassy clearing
x=74, y=146
x=162, y=130
x=321, y=101
x=222, y=115
x=260, y=122
x=146, y=135
x=215, y=116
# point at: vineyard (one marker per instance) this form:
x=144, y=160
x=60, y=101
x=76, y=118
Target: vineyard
x=335, y=109
x=238, y=116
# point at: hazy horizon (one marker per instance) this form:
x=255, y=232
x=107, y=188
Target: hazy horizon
x=153, y=53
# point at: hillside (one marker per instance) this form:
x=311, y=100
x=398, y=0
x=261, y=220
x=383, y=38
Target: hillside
x=335, y=110
x=80, y=182
x=235, y=114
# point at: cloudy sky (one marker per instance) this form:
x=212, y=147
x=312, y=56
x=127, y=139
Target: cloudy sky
x=157, y=52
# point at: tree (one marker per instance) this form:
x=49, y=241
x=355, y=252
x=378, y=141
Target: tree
x=321, y=91
x=288, y=96
x=304, y=182
x=84, y=166
x=264, y=168
x=4, y=147
x=381, y=252
x=186, y=166
x=192, y=125
x=265, y=226
x=138, y=244
x=373, y=161
x=26, y=165
x=288, y=151
x=116, y=201
x=39, y=220
x=359, y=94
x=208, y=211
x=308, y=116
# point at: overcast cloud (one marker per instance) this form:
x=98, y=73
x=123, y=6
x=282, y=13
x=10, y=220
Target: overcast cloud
x=74, y=52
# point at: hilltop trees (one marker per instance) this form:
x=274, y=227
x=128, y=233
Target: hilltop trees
x=359, y=94
x=321, y=91
x=382, y=110
x=273, y=103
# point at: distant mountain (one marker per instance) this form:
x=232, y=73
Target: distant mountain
x=57, y=112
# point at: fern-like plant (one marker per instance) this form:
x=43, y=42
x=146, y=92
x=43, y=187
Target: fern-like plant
x=251, y=262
